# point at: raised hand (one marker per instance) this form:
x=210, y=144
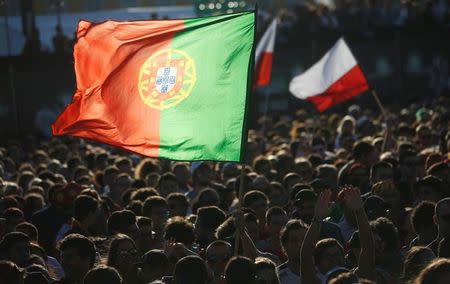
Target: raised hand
x=352, y=198
x=322, y=205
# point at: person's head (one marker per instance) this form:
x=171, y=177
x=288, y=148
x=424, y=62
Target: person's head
x=292, y=236
x=10, y=273
x=416, y=259
x=358, y=176
x=266, y=272
x=304, y=169
x=181, y=172
x=218, y=253
x=167, y=184
x=86, y=209
x=388, y=191
x=143, y=193
x=13, y=217
x=346, y=126
x=422, y=220
x=145, y=167
x=386, y=237
x=206, y=197
x=429, y=188
x=442, y=217
x=364, y=153
x=178, y=204
x=381, y=171
x=201, y=173
x=409, y=165
x=208, y=220
x=124, y=222
x=424, y=136
x=240, y=270
x=156, y=208
x=124, y=164
x=121, y=183
x=276, y=219
x=28, y=229
x=122, y=254
x=258, y=202
x=262, y=165
x=329, y=174
x=375, y=207
x=190, y=270
x=154, y=266
x=437, y=272
x=77, y=256
x=15, y=247
x=180, y=230
x=442, y=171
x=109, y=175
x=103, y=274
x=304, y=205
x=328, y=254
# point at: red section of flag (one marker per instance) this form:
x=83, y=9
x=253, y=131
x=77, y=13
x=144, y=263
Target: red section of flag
x=264, y=69
x=106, y=106
x=348, y=86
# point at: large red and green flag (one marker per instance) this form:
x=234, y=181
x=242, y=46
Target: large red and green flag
x=175, y=89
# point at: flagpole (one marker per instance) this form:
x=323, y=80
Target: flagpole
x=11, y=70
x=266, y=110
x=239, y=227
x=384, y=114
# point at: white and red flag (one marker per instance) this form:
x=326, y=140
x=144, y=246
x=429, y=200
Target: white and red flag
x=264, y=55
x=335, y=78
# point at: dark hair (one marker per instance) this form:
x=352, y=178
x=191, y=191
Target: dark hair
x=291, y=225
x=144, y=221
x=10, y=272
x=143, y=193
x=305, y=195
x=103, y=274
x=345, y=278
x=259, y=163
x=179, y=197
x=415, y=260
x=156, y=257
x=288, y=178
x=167, y=177
x=12, y=212
x=422, y=215
x=217, y=243
x=151, y=202
x=433, y=272
x=114, y=246
x=145, y=167
x=297, y=188
x=438, y=167
x=83, y=206
x=324, y=244
x=240, y=270
x=10, y=239
x=120, y=221
x=180, y=230
x=431, y=181
x=274, y=211
x=253, y=196
x=362, y=149
x=85, y=248
x=387, y=232
x=379, y=165
x=440, y=204
x=190, y=269
x=210, y=217
x=135, y=206
x=29, y=229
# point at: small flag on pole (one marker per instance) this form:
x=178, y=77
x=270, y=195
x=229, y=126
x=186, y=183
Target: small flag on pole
x=264, y=55
x=175, y=89
x=335, y=78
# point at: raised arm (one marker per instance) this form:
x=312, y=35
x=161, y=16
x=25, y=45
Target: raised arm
x=366, y=263
x=307, y=266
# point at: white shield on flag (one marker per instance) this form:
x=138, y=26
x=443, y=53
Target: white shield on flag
x=166, y=78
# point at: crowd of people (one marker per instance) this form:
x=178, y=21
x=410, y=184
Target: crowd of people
x=352, y=197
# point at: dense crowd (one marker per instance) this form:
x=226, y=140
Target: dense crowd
x=350, y=197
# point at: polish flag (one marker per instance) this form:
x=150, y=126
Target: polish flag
x=337, y=77
x=264, y=55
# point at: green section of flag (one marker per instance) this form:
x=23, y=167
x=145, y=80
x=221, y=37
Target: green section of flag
x=209, y=123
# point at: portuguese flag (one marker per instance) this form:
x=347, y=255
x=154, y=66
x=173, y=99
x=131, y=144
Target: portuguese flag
x=175, y=89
